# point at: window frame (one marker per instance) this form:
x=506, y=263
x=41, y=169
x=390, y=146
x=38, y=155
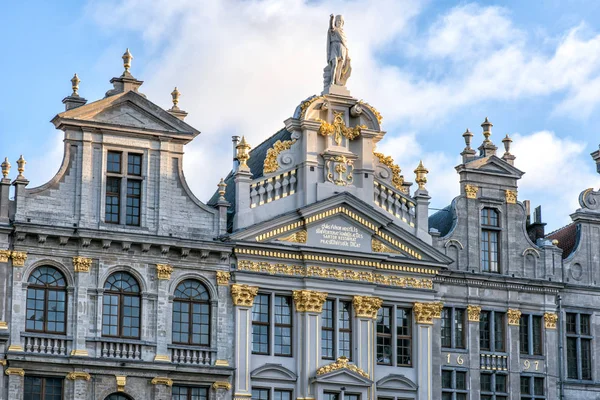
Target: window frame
x=531, y=384
x=394, y=337
x=191, y=314
x=261, y=323
x=123, y=196
x=120, y=316
x=46, y=288
x=579, y=338
x=453, y=390
x=189, y=394
x=492, y=331
x=271, y=391
x=452, y=312
x=487, y=230
x=289, y=326
x=44, y=379
x=530, y=334
x=337, y=329
x=494, y=393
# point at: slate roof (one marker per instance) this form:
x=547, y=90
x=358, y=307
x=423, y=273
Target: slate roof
x=568, y=238
x=256, y=162
x=444, y=220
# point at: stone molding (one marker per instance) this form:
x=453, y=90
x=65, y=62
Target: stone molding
x=309, y=300
x=550, y=320
x=78, y=375
x=514, y=316
x=366, y=307
x=82, y=264
x=18, y=258
x=473, y=313
x=164, y=271
x=15, y=371
x=243, y=295
x=221, y=385
x=223, y=278
x=161, y=380
x=426, y=312
x=80, y=353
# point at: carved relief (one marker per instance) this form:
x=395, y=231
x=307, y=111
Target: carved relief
x=160, y=380
x=221, y=385
x=82, y=264
x=590, y=199
x=72, y=376
x=397, y=179
x=473, y=312
x=550, y=320
x=338, y=128
x=15, y=371
x=296, y=237
x=4, y=255
x=309, y=300
x=243, y=295
x=471, y=191
x=426, y=312
x=271, y=164
x=514, y=316
x=18, y=258
x=338, y=169
x=164, y=271
x=121, y=382
x=379, y=247
x=223, y=278
x=366, y=307
x=341, y=363
x=511, y=197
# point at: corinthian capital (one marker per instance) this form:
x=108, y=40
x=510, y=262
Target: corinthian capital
x=243, y=295
x=366, y=307
x=309, y=300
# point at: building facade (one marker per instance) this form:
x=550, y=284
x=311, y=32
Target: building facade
x=315, y=271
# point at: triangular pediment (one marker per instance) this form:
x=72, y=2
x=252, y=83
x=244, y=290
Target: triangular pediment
x=343, y=377
x=494, y=165
x=342, y=223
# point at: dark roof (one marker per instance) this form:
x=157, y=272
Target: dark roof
x=443, y=220
x=568, y=238
x=256, y=162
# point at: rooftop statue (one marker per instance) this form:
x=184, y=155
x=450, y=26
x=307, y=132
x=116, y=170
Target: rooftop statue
x=338, y=67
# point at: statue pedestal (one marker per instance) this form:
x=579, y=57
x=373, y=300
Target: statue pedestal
x=336, y=89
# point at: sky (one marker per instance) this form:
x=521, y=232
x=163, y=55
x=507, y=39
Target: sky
x=432, y=68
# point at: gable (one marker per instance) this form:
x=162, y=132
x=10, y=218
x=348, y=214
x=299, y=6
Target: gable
x=494, y=165
x=128, y=114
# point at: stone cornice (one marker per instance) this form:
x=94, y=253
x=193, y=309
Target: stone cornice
x=506, y=283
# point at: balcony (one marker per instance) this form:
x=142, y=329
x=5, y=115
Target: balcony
x=40, y=343
x=493, y=362
x=192, y=355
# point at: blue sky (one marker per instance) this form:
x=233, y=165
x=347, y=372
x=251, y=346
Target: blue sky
x=432, y=69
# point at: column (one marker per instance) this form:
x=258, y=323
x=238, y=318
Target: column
x=17, y=323
x=161, y=388
x=163, y=274
x=424, y=314
x=4, y=289
x=81, y=266
x=223, y=332
x=15, y=383
x=365, y=310
x=243, y=298
x=512, y=347
x=309, y=305
x=551, y=347
x=80, y=384
x=473, y=313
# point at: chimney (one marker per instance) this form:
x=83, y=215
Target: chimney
x=4, y=191
x=536, y=230
x=235, y=140
x=596, y=157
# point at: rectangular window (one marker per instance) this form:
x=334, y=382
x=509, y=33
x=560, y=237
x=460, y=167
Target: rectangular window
x=283, y=326
x=37, y=388
x=345, y=329
x=492, y=331
x=189, y=393
x=134, y=196
x=454, y=385
x=404, y=337
x=489, y=240
x=530, y=334
x=336, y=327
x=113, y=162
x=134, y=164
x=384, y=336
x=260, y=394
x=394, y=349
x=113, y=194
x=331, y=396
x=579, y=346
x=494, y=386
x=283, y=394
x=351, y=396
x=260, y=324
x=532, y=388
x=327, y=330
x=453, y=328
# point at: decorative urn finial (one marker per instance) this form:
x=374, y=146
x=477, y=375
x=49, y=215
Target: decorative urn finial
x=487, y=129
x=175, y=94
x=467, y=136
x=21, y=166
x=507, y=141
x=421, y=175
x=243, y=155
x=222, y=188
x=5, y=167
x=75, y=85
x=127, y=57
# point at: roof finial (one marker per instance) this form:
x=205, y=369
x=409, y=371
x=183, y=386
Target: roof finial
x=243, y=154
x=175, y=94
x=467, y=136
x=487, y=129
x=5, y=167
x=421, y=175
x=75, y=85
x=21, y=167
x=222, y=188
x=507, y=141
x=127, y=57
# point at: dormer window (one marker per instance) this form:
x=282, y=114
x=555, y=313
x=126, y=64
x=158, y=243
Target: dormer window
x=123, y=187
x=490, y=240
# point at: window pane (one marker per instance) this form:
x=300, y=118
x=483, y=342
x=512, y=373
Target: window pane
x=260, y=394
x=461, y=380
x=459, y=328
x=112, y=203
x=486, y=382
x=484, y=330
x=260, y=324
x=134, y=189
x=584, y=322
x=134, y=164
x=283, y=326
x=537, y=335
x=524, y=334
x=327, y=350
x=113, y=162
x=446, y=327
x=384, y=336
x=525, y=387
x=499, y=331
x=571, y=323
x=586, y=359
x=447, y=379
x=345, y=329
x=572, y=358
x=538, y=386
x=283, y=395
x=404, y=336
x=500, y=383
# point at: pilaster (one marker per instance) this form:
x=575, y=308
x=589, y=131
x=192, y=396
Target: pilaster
x=15, y=383
x=473, y=313
x=80, y=384
x=224, y=339
x=550, y=348
x=513, y=348
x=17, y=317
x=161, y=387
x=163, y=274
x=424, y=314
x=365, y=310
x=243, y=298
x=82, y=267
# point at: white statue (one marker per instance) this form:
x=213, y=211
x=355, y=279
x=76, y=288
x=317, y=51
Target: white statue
x=338, y=69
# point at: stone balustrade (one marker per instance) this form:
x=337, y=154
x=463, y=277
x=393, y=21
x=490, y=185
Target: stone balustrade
x=192, y=355
x=38, y=343
x=493, y=362
x=266, y=190
x=394, y=202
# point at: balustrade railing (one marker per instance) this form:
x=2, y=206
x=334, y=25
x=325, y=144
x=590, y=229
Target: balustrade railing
x=394, y=202
x=192, y=355
x=121, y=350
x=46, y=344
x=274, y=188
x=493, y=362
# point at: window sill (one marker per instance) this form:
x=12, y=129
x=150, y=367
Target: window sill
x=190, y=347
x=46, y=335
x=454, y=350
x=120, y=340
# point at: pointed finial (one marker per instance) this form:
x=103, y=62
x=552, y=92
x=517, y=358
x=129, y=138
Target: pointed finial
x=75, y=85
x=5, y=167
x=467, y=136
x=175, y=94
x=487, y=129
x=21, y=166
x=222, y=188
x=421, y=175
x=243, y=153
x=127, y=57
x=507, y=141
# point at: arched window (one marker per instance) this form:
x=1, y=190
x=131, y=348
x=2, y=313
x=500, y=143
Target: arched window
x=121, y=306
x=46, y=301
x=191, y=314
x=117, y=396
x=490, y=240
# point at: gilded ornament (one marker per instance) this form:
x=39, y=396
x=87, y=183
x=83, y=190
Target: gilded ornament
x=160, y=357
x=127, y=57
x=305, y=104
x=80, y=353
x=175, y=94
x=366, y=307
x=338, y=128
x=379, y=247
x=84, y=376
x=164, y=271
x=514, y=316
x=339, y=170
x=243, y=295
x=75, y=85
x=161, y=380
x=473, y=313
x=397, y=179
x=3, y=325
x=550, y=320
x=421, y=175
x=243, y=153
x=21, y=167
x=309, y=300
x=296, y=237
x=223, y=278
x=5, y=167
x=121, y=382
x=15, y=371
x=18, y=258
x=341, y=363
x=511, y=197
x=374, y=111
x=426, y=312
x=221, y=385
x=4, y=255
x=82, y=264
x=222, y=189
x=271, y=164
x=471, y=191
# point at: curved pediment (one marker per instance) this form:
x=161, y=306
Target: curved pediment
x=396, y=382
x=343, y=377
x=275, y=372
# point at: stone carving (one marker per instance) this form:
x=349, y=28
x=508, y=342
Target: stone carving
x=341, y=363
x=590, y=199
x=4, y=254
x=121, y=382
x=221, y=385
x=271, y=164
x=338, y=128
x=339, y=169
x=164, y=271
x=471, y=191
x=473, y=312
x=72, y=376
x=338, y=68
x=373, y=110
x=550, y=320
x=511, y=197
x=223, y=278
x=514, y=316
x=82, y=264
x=309, y=300
x=15, y=371
x=379, y=247
x=243, y=295
x=304, y=106
x=296, y=237
x=426, y=312
x=161, y=380
x=18, y=258
x=397, y=179
x=366, y=307
x=243, y=154
x=421, y=175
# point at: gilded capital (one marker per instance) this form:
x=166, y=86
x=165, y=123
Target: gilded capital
x=161, y=380
x=550, y=320
x=514, y=316
x=164, y=271
x=221, y=385
x=471, y=191
x=223, y=278
x=511, y=197
x=473, y=313
x=4, y=255
x=82, y=264
x=15, y=371
x=366, y=307
x=426, y=312
x=309, y=300
x=121, y=382
x=243, y=295
x=18, y=258
x=72, y=376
